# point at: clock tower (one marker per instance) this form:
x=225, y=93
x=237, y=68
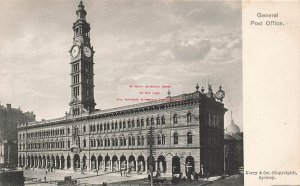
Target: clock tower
x=82, y=67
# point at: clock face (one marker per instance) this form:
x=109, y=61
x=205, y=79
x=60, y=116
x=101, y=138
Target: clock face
x=87, y=51
x=75, y=51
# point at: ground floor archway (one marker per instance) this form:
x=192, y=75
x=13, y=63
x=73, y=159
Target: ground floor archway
x=76, y=162
x=107, y=163
x=68, y=162
x=141, y=164
x=123, y=163
x=115, y=163
x=62, y=159
x=93, y=163
x=176, y=165
x=189, y=165
x=100, y=162
x=161, y=164
x=132, y=163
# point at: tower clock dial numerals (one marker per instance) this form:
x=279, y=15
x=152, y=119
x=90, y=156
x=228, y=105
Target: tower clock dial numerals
x=75, y=51
x=87, y=51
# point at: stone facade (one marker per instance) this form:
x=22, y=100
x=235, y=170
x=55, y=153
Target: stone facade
x=115, y=139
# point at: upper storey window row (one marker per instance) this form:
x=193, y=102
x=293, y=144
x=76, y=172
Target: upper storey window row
x=46, y=133
x=135, y=123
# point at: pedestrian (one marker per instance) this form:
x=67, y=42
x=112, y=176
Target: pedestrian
x=45, y=178
x=46, y=172
x=97, y=171
x=207, y=175
x=121, y=173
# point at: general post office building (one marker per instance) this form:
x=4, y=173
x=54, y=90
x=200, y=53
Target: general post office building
x=188, y=129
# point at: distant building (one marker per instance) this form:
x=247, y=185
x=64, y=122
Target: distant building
x=233, y=147
x=9, y=119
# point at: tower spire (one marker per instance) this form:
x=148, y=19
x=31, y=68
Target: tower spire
x=82, y=66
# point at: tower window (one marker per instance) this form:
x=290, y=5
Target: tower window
x=76, y=91
x=189, y=117
x=189, y=138
x=175, y=136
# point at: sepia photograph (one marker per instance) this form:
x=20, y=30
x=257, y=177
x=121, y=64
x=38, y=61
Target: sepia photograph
x=118, y=92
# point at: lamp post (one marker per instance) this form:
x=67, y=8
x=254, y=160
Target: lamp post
x=226, y=146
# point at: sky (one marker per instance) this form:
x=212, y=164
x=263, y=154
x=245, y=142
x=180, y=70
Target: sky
x=160, y=42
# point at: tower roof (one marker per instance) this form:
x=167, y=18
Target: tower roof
x=232, y=128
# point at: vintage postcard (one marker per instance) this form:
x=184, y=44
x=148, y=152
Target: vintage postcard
x=162, y=92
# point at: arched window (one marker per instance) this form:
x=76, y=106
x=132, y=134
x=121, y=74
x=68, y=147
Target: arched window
x=139, y=140
x=104, y=126
x=189, y=117
x=152, y=121
x=112, y=126
x=133, y=141
x=84, y=142
x=84, y=128
x=163, y=139
x=101, y=127
x=91, y=143
x=124, y=141
x=142, y=140
x=142, y=123
x=138, y=123
x=175, y=118
x=189, y=138
x=94, y=128
x=98, y=128
x=124, y=125
x=163, y=121
x=147, y=122
x=108, y=126
x=121, y=141
x=158, y=139
x=132, y=124
x=128, y=124
x=129, y=140
x=116, y=141
x=98, y=142
x=113, y=141
x=158, y=121
x=116, y=125
x=175, y=136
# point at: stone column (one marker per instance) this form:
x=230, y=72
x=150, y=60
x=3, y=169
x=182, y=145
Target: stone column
x=182, y=166
x=71, y=164
x=169, y=166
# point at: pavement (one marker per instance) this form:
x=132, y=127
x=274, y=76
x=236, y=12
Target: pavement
x=115, y=178
x=88, y=177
